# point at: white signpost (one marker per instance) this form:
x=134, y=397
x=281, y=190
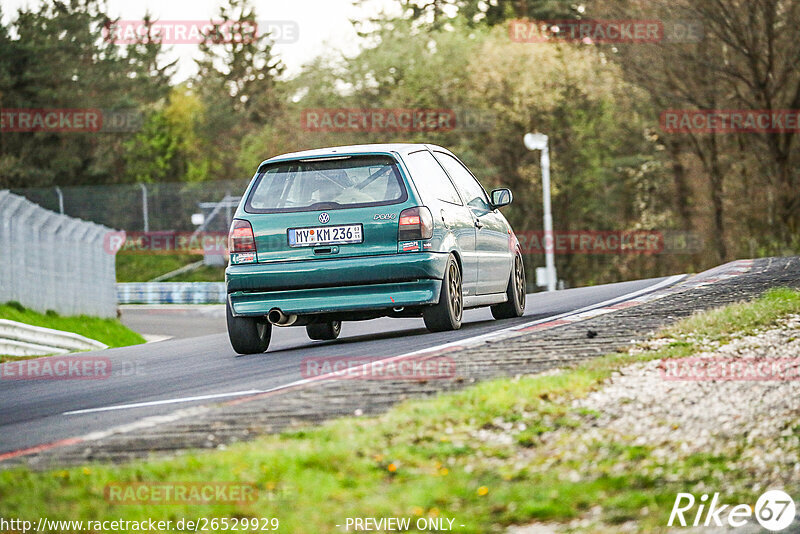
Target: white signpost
x=537, y=141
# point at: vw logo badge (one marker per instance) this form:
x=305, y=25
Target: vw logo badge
x=324, y=217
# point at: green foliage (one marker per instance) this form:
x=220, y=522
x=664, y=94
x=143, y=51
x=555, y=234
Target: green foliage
x=150, y=155
x=236, y=83
x=189, y=133
x=42, y=70
x=168, y=147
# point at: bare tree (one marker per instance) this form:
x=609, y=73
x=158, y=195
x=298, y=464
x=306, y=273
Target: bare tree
x=747, y=59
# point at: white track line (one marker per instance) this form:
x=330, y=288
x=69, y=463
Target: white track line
x=165, y=401
x=460, y=343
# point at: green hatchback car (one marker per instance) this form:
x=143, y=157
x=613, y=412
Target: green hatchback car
x=358, y=232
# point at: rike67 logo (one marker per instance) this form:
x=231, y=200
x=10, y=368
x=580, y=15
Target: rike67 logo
x=775, y=510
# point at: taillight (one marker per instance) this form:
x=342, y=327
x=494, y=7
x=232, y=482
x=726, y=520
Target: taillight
x=242, y=242
x=415, y=223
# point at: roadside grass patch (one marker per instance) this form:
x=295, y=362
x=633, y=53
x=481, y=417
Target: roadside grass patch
x=109, y=331
x=746, y=318
x=498, y=453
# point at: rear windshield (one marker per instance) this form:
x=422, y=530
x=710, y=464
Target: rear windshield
x=328, y=184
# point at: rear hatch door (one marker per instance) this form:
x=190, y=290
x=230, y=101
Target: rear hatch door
x=329, y=207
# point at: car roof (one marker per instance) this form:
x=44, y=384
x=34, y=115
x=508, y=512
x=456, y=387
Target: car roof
x=401, y=148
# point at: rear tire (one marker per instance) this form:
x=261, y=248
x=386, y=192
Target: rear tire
x=248, y=335
x=446, y=315
x=515, y=305
x=324, y=331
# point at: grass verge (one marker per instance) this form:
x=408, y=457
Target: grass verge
x=145, y=267
x=475, y=456
x=109, y=331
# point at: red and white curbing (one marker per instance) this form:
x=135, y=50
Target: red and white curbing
x=717, y=274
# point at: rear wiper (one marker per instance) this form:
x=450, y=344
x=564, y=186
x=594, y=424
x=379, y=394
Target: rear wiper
x=325, y=205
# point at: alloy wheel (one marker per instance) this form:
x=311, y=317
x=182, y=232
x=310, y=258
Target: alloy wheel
x=519, y=280
x=456, y=296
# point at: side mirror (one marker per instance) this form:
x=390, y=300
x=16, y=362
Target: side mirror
x=501, y=197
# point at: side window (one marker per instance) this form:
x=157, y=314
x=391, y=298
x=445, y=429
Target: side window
x=430, y=179
x=466, y=183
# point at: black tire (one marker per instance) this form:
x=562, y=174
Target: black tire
x=324, y=331
x=446, y=315
x=248, y=335
x=515, y=305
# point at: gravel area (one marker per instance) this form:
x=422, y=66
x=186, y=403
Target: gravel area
x=682, y=417
x=756, y=423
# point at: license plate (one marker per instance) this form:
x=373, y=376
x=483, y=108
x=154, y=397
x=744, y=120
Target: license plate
x=325, y=235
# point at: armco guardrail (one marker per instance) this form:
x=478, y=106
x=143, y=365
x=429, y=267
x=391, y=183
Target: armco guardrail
x=20, y=339
x=171, y=293
x=54, y=262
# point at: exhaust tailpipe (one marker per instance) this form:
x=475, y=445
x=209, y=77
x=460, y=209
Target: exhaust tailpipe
x=278, y=318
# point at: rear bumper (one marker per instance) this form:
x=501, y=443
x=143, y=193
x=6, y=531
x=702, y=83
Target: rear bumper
x=335, y=272
x=336, y=284
x=337, y=299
